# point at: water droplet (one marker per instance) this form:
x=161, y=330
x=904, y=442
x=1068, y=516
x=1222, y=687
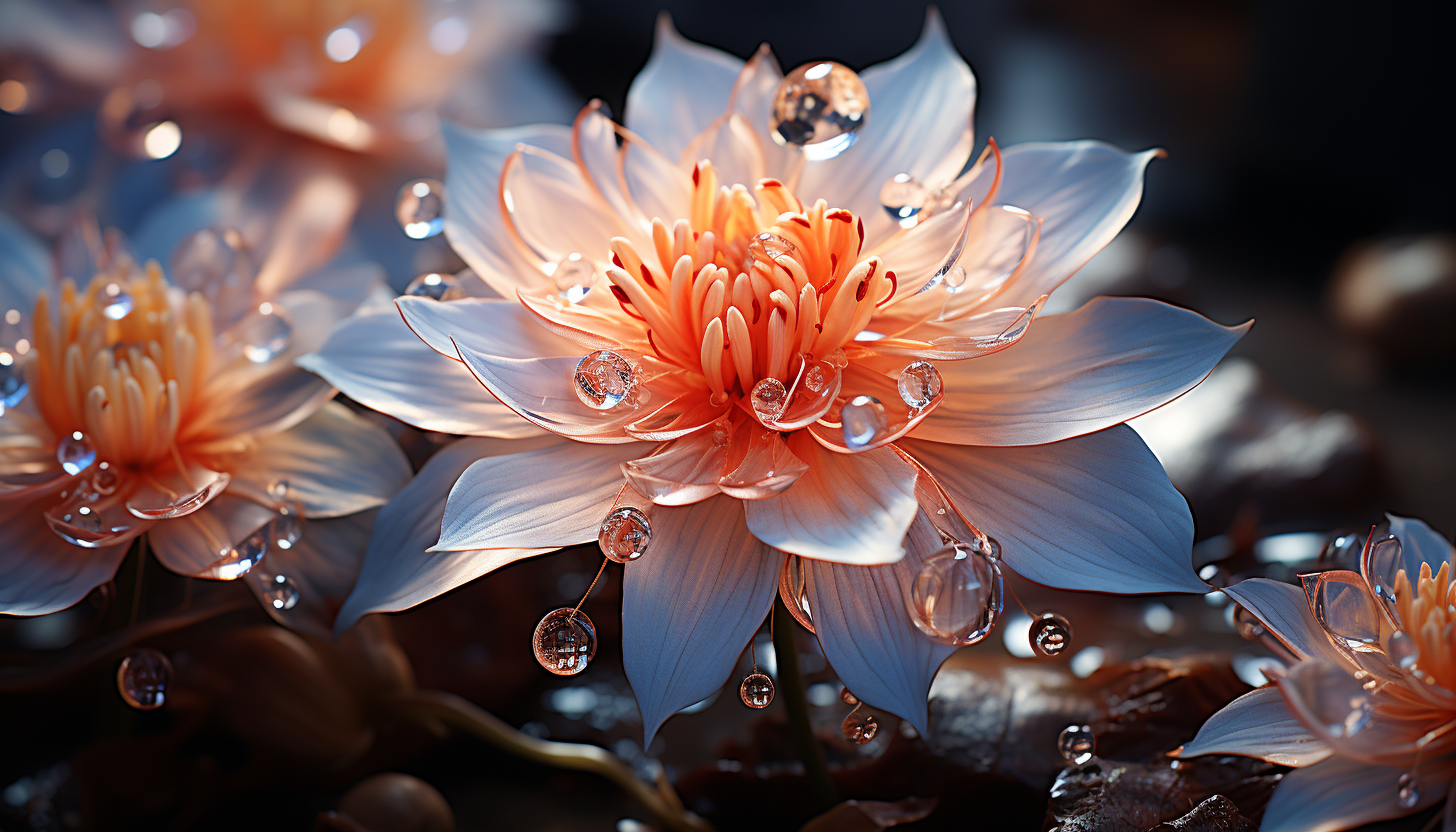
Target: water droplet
x=848, y=698
x=285, y=530
x=13, y=384
x=278, y=489
x=624, y=534
x=1402, y=650
x=859, y=728
x=722, y=435
x=435, y=286
x=565, y=641
x=955, y=279
x=814, y=378
x=264, y=333
x=106, y=480
x=1214, y=575
x=1408, y=791
x=769, y=397
x=1343, y=551
x=768, y=246
x=604, y=379
x=956, y=596
x=143, y=677
x=420, y=208
x=863, y=420
x=240, y=559
x=281, y=593
x=903, y=197
x=820, y=108
x=116, y=301
x=1077, y=744
x=1050, y=635
x=920, y=385
x=217, y=264
x=74, y=453
x=757, y=690
x=574, y=277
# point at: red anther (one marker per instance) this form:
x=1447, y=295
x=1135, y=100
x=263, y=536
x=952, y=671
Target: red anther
x=818, y=327
x=833, y=262
x=653, y=344
x=839, y=214
x=820, y=292
x=617, y=261
x=647, y=276
x=894, y=287
x=874, y=264
x=770, y=183
x=757, y=310
x=696, y=168
x=861, y=233
x=862, y=290
x=801, y=221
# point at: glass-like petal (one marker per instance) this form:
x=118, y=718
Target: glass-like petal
x=1258, y=724
x=164, y=495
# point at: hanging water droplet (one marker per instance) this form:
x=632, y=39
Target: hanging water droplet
x=420, y=208
x=435, y=286
x=757, y=690
x=955, y=279
x=604, y=379
x=278, y=489
x=285, y=530
x=768, y=246
x=903, y=197
x=264, y=333
x=574, y=277
x=565, y=641
x=1050, y=635
x=863, y=420
x=74, y=453
x=820, y=108
x=116, y=301
x=240, y=559
x=920, y=385
x=1077, y=744
x=859, y=728
x=1408, y=791
x=624, y=534
x=106, y=481
x=143, y=677
x=768, y=398
x=955, y=597
x=281, y=593
x=1402, y=650
x=848, y=698
x=814, y=378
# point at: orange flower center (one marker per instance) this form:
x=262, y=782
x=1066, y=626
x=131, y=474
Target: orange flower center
x=750, y=283
x=1428, y=617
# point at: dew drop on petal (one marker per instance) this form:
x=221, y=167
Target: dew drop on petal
x=105, y=481
x=954, y=598
x=863, y=419
x=722, y=434
x=1402, y=650
x=903, y=197
x=1077, y=744
x=955, y=279
x=278, y=489
x=240, y=559
x=814, y=378
x=142, y=679
x=1408, y=791
x=116, y=301
x=420, y=208
x=848, y=698
x=74, y=453
x=920, y=385
x=264, y=333
x=281, y=593
x=757, y=690
x=819, y=108
x=13, y=347
x=859, y=728
x=565, y=641
x=604, y=379
x=285, y=530
x=435, y=286
x=574, y=277
x=624, y=534
x=769, y=397
x=768, y=246
x=1050, y=634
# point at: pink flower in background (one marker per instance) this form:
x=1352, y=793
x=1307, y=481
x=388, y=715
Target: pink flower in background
x=779, y=333
x=1366, y=712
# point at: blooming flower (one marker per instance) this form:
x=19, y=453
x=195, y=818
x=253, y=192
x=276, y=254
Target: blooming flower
x=132, y=407
x=1367, y=708
x=794, y=388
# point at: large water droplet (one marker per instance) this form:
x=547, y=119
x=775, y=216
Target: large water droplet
x=285, y=530
x=1402, y=650
x=106, y=481
x=74, y=453
x=281, y=593
x=604, y=379
x=920, y=385
x=955, y=597
x=240, y=559
x=768, y=398
x=1050, y=634
x=820, y=108
x=216, y=263
x=264, y=333
x=1408, y=791
x=814, y=378
x=624, y=534
x=13, y=385
x=904, y=197
x=435, y=286
x=565, y=641
x=863, y=420
x=769, y=246
x=143, y=677
x=574, y=277
x=757, y=690
x=859, y=728
x=1077, y=744
x=420, y=208
x=116, y=301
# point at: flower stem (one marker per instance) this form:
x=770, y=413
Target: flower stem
x=791, y=683
x=435, y=706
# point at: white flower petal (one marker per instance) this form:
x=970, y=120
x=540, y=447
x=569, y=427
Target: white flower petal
x=503, y=328
x=542, y=390
x=1258, y=724
x=1420, y=543
x=190, y=544
x=1339, y=794
x=41, y=573
x=683, y=88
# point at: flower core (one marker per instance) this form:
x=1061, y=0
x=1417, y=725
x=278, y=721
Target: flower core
x=1428, y=617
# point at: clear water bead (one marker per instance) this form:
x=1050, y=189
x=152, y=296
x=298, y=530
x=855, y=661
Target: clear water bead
x=1050, y=635
x=143, y=677
x=920, y=385
x=952, y=597
x=574, y=277
x=216, y=263
x=604, y=379
x=565, y=641
x=814, y=378
x=420, y=208
x=955, y=279
x=278, y=489
x=1408, y=791
x=105, y=481
x=624, y=534
x=435, y=286
x=769, y=398
x=1402, y=650
x=240, y=559
x=1077, y=744
x=265, y=333
x=757, y=690
x=819, y=108
x=903, y=197
x=285, y=530
x=116, y=301
x=74, y=453
x=768, y=246
x=859, y=728
x=281, y=593
x=863, y=421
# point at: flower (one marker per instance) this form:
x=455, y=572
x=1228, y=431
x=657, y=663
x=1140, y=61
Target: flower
x=134, y=407
x=1366, y=710
x=801, y=392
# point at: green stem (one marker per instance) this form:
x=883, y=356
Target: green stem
x=456, y=712
x=801, y=731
